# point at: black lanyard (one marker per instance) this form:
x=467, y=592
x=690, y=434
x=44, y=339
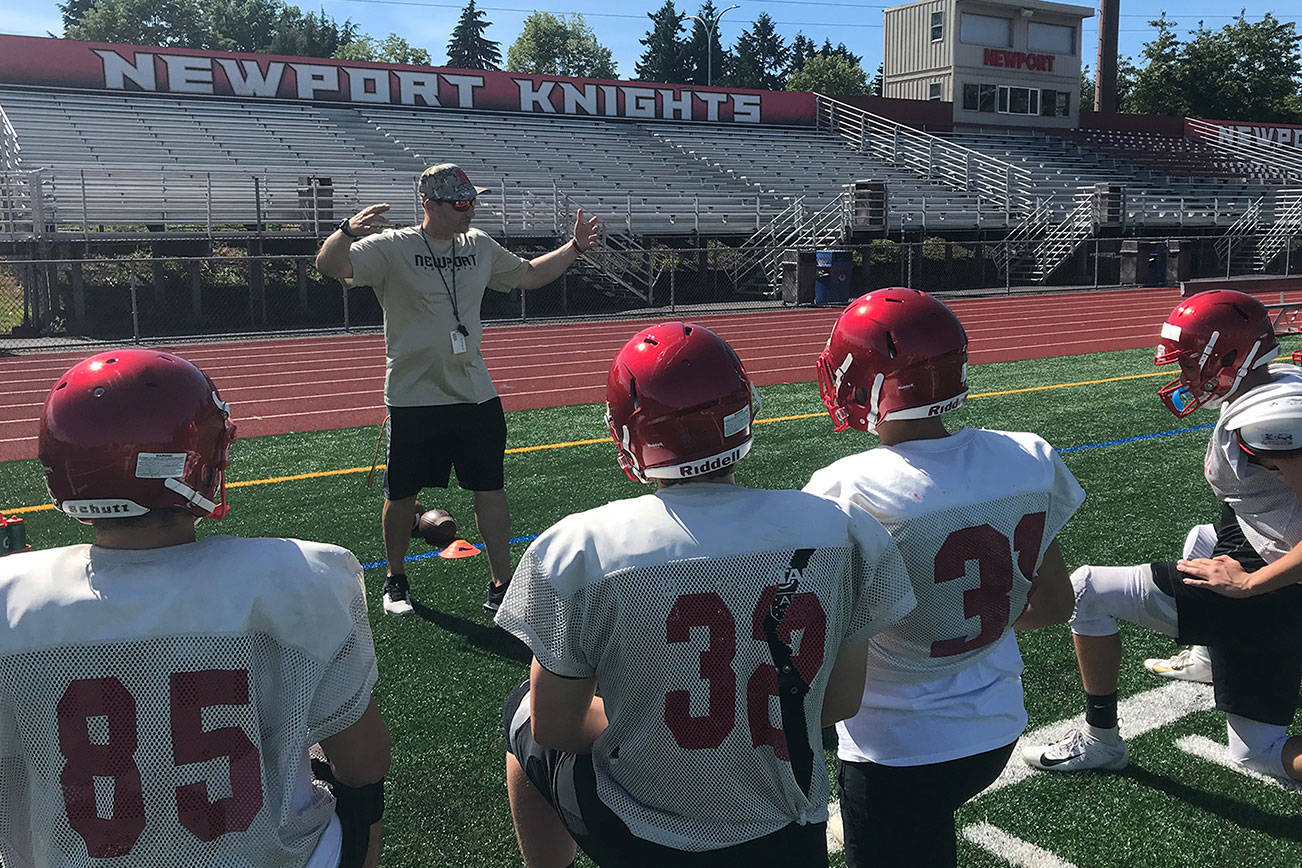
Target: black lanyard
x=450, y=290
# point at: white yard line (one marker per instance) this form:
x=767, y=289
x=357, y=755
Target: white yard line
x=1205, y=748
x=1011, y=849
x=1139, y=714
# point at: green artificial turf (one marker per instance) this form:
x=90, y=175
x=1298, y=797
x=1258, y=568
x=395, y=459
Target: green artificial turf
x=445, y=672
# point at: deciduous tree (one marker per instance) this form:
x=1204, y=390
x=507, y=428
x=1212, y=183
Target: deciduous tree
x=554, y=45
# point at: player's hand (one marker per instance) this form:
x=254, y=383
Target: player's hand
x=586, y=235
x=369, y=220
x=1222, y=574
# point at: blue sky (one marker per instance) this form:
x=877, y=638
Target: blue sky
x=857, y=23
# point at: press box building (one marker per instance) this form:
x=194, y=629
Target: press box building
x=1006, y=63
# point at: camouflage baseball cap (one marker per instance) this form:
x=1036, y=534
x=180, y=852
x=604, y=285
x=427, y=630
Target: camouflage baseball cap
x=447, y=182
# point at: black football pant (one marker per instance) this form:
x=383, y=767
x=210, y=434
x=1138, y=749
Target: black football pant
x=904, y=815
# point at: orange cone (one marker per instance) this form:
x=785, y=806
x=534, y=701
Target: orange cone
x=459, y=548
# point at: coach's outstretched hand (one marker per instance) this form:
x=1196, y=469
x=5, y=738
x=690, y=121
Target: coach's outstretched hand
x=369, y=220
x=586, y=234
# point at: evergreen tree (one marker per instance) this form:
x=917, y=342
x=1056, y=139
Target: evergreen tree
x=760, y=57
x=875, y=86
x=75, y=10
x=469, y=48
x=1159, y=86
x=665, y=58
x=802, y=48
x=707, y=61
x=840, y=51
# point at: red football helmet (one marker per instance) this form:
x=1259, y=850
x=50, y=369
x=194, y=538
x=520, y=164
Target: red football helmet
x=132, y=430
x=894, y=353
x=1217, y=336
x=678, y=403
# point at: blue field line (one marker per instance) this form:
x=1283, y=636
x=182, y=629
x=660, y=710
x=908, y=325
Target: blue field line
x=533, y=536
x=1125, y=440
x=435, y=553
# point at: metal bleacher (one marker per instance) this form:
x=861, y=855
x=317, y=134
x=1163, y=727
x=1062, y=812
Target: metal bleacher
x=210, y=165
x=1061, y=169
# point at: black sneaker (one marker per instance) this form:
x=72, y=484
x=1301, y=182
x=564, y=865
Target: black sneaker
x=397, y=597
x=495, y=595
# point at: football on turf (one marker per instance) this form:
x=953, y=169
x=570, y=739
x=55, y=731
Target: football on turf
x=437, y=527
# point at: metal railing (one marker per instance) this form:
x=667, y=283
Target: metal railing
x=1018, y=243
x=11, y=157
x=1287, y=223
x=940, y=161
x=1247, y=146
x=1064, y=239
x=1241, y=232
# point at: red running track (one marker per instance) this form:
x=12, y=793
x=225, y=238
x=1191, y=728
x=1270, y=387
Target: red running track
x=337, y=381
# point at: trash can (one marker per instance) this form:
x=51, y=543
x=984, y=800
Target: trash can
x=798, y=273
x=835, y=277
x=1156, y=264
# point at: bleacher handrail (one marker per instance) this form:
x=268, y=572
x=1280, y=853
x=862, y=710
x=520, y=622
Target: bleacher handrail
x=936, y=159
x=1246, y=146
x=11, y=150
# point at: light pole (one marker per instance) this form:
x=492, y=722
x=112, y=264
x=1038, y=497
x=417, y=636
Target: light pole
x=711, y=28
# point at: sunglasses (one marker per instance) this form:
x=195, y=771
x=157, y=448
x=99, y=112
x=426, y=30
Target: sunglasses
x=459, y=204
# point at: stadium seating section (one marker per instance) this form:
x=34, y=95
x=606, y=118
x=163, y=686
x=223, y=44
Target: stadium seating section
x=115, y=159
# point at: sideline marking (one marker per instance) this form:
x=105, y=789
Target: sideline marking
x=1204, y=748
x=1012, y=849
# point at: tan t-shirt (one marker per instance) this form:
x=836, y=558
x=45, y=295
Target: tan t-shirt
x=413, y=278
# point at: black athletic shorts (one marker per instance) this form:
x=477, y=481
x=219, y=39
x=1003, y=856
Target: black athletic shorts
x=568, y=783
x=904, y=815
x=426, y=443
x=1254, y=642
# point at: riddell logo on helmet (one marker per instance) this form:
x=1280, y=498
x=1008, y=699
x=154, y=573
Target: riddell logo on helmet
x=710, y=465
x=951, y=404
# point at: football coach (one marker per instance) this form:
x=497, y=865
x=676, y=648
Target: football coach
x=444, y=411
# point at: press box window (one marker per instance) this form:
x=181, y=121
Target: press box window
x=1019, y=100
x=937, y=26
x=933, y=90
x=986, y=30
x=1056, y=38
x=979, y=97
x=1055, y=103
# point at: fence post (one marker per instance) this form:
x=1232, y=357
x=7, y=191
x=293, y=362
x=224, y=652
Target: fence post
x=1096, y=262
x=135, y=310
x=673, y=288
x=556, y=210
x=85, y=219
x=1008, y=270
x=503, y=189
x=344, y=288
x=630, y=214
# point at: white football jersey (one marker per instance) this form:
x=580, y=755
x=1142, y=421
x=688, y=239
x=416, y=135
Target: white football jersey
x=1268, y=419
x=157, y=706
x=662, y=599
x=972, y=514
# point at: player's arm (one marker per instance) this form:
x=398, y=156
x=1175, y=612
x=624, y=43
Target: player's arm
x=359, y=760
x=845, y=685
x=550, y=266
x=1226, y=576
x=566, y=712
x=332, y=259
x=1051, y=598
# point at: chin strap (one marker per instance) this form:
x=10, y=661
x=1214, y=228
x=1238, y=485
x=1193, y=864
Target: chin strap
x=194, y=498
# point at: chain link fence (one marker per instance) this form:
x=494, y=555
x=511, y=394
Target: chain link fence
x=132, y=296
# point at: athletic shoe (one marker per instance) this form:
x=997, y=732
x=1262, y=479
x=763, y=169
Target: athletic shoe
x=397, y=596
x=1085, y=748
x=495, y=595
x=1191, y=664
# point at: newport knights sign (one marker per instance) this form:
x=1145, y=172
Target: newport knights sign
x=28, y=60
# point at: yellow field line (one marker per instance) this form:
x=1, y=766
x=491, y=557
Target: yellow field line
x=520, y=450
